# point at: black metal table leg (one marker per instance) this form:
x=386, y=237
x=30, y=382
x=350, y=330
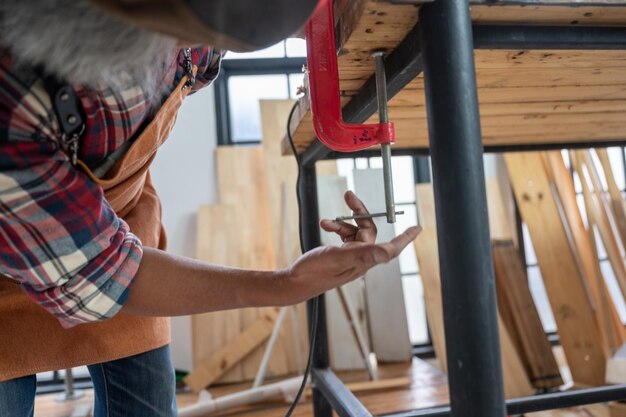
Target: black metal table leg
x=311, y=239
x=468, y=287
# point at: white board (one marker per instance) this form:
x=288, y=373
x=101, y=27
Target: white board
x=383, y=284
x=343, y=347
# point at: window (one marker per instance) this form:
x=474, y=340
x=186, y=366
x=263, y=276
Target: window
x=246, y=78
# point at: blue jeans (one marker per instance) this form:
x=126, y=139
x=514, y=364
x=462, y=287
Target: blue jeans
x=138, y=386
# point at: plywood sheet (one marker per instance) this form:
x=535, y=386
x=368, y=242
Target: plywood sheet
x=238, y=232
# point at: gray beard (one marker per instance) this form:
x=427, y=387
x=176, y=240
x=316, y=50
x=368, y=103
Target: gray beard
x=76, y=42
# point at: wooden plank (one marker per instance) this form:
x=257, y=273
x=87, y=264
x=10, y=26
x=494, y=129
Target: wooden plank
x=281, y=173
x=612, y=330
x=383, y=284
x=208, y=371
x=211, y=331
x=523, y=321
x=489, y=78
x=238, y=233
x=509, y=129
x=242, y=184
x=515, y=378
x=571, y=303
x=548, y=14
x=617, y=200
x=600, y=212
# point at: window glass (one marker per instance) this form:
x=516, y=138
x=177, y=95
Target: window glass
x=295, y=47
x=245, y=92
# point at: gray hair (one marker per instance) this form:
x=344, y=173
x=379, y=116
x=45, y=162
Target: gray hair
x=76, y=42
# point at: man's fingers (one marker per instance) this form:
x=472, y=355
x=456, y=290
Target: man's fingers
x=357, y=207
x=343, y=229
x=394, y=247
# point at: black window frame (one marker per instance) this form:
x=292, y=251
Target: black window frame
x=248, y=66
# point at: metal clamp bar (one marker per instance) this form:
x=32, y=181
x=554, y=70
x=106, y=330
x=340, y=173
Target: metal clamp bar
x=385, y=148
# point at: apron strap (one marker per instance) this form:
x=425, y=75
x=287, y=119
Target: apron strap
x=69, y=112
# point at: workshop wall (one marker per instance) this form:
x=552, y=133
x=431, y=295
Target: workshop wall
x=184, y=176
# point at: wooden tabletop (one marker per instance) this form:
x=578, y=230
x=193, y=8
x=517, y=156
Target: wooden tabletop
x=526, y=97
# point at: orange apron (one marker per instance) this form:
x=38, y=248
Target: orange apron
x=31, y=339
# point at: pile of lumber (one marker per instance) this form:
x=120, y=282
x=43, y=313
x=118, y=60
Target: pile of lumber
x=566, y=237
x=566, y=247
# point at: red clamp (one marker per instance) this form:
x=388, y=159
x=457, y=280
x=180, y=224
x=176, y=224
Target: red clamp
x=324, y=90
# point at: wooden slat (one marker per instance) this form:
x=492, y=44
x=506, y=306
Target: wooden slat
x=238, y=234
x=617, y=200
x=521, y=318
x=601, y=215
x=242, y=184
x=488, y=78
x=211, y=331
x=611, y=327
x=548, y=14
x=570, y=300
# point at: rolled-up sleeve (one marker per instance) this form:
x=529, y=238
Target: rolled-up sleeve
x=59, y=237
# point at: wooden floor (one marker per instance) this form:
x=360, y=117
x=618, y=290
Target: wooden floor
x=428, y=388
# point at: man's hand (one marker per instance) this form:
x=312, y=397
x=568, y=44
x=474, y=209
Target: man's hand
x=328, y=267
x=170, y=285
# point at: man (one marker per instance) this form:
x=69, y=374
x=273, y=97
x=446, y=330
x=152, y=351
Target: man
x=85, y=100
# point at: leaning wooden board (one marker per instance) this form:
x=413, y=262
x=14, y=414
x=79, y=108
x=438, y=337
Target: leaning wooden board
x=610, y=324
x=570, y=300
x=546, y=96
x=237, y=233
x=383, y=283
x=516, y=383
x=518, y=311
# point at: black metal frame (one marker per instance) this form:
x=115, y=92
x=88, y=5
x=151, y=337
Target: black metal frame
x=443, y=47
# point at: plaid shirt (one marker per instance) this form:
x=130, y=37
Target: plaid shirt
x=59, y=237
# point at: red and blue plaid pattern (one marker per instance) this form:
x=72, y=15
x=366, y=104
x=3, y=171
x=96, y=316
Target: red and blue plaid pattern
x=59, y=237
